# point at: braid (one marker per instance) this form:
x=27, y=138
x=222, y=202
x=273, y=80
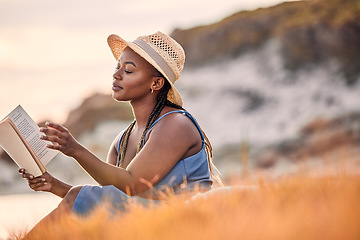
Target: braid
x=162, y=101
x=124, y=143
x=213, y=169
x=173, y=105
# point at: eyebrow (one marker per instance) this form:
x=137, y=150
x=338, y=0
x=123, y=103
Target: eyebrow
x=132, y=63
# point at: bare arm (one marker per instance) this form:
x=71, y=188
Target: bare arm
x=165, y=146
x=46, y=183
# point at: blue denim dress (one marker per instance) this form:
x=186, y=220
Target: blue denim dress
x=194, y=170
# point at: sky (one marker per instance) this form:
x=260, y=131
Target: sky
x=54, y=53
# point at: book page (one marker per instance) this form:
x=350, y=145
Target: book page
x=17, y=150
x=30, y=131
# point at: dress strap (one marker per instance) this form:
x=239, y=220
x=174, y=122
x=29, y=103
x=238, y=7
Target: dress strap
x=129, y=128
x=152, y=125
x=176, y=111
x=118, y=149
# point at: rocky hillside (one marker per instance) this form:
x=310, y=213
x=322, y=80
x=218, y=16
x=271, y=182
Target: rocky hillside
x=319, y=139
x=253, y=105
x=323, y=143
x=94, y=110
x=310, y=32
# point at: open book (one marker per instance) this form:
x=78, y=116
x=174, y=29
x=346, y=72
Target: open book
x=20, y=138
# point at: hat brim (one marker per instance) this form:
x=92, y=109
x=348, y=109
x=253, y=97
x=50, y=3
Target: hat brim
x=117, y=46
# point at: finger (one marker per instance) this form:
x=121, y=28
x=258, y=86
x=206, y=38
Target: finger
x=23, y=170
x=53, y=139
x=44, y=187
x=36, y=186
x=27, y=176
x=37, y=180
x=56, y=126
x=55, y=147
x=50, y=131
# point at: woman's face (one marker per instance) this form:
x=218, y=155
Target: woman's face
x=132, y=78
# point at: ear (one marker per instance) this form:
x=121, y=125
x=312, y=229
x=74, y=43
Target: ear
x=158, y=83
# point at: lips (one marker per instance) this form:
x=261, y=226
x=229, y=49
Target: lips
x=116, y=87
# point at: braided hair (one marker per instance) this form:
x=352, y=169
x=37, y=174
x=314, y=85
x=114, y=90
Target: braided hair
x=162, y=101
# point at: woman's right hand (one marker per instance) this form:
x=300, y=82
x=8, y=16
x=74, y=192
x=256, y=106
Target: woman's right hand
x=43, y=182
x=61, y=138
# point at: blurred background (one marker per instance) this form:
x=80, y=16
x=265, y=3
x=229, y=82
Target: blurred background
x=275, y=85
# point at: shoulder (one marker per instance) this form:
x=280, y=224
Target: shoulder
x=113, y=150
x=177, y=125
x=175, y=119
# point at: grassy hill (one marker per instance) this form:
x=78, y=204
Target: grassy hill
x=310, y=32
x=300, y=207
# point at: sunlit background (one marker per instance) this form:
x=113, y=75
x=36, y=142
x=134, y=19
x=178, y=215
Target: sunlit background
x=256, y=109
x=52, y=54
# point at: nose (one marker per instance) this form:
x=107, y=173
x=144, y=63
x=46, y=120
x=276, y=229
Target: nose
x=117, y=75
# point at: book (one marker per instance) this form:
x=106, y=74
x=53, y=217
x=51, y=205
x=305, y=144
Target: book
x=20, y=139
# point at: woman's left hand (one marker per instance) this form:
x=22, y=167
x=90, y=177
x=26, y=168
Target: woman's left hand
x=61, y=138
x=40, y=183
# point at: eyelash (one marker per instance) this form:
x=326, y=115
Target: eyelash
x=126, y=71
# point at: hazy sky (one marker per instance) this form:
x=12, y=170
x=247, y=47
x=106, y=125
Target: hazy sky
x=53, y=53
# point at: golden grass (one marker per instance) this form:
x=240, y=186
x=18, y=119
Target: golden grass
x=302, y=207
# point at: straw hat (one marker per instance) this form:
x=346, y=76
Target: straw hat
x=161, y=51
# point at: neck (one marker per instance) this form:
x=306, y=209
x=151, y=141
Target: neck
x=142, y=111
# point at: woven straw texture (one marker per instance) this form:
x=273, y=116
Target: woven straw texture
x=166, y=47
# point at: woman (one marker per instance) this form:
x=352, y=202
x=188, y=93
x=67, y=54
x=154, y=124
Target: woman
x=164, y=148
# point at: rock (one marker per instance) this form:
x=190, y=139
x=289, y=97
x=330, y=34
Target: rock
x=92, y=113
x=310, y=32
x=94, y=110
x=318, y=138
